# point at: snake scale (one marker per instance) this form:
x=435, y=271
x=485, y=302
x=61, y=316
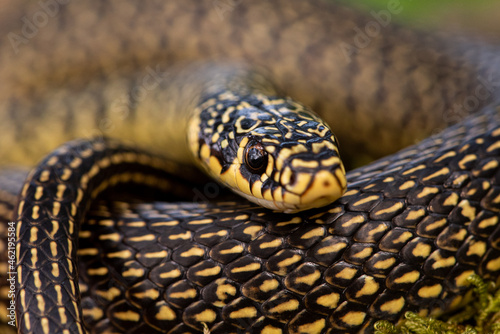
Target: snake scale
x=406, y=234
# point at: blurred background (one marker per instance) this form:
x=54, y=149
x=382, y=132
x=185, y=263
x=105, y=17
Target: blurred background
x=479, y=17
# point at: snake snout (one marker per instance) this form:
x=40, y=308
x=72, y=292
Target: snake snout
x=314, y=183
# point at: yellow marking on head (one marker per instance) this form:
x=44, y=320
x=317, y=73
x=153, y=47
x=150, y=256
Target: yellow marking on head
x=408, y=278
x=323, y=190
x=432, y=291
x=299, y=163
x=291, y=198
x=205, y=152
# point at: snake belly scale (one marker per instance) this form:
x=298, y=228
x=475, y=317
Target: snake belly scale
x=406, y=234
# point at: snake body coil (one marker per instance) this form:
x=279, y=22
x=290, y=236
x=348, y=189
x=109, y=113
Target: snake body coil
x=405, y=235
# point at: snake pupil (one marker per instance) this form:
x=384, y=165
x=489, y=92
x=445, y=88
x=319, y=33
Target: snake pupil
x=256, y=158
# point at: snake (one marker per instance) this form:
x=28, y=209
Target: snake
x=328, y=253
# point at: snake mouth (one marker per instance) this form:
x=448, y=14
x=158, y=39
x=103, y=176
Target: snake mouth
x=324, y=188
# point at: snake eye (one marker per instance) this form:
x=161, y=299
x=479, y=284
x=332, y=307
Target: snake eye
x=256, y=157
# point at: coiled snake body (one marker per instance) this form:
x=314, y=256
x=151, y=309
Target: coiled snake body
x=406, y=234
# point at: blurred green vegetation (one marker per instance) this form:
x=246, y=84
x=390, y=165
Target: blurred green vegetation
x=413, y=9
x=480, y=16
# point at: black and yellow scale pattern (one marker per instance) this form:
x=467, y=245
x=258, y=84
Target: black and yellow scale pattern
x=406, y=235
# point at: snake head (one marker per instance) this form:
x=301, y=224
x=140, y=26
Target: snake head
x=273, y=151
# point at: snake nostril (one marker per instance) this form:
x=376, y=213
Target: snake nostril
x=293, y=178
x=326, y=183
